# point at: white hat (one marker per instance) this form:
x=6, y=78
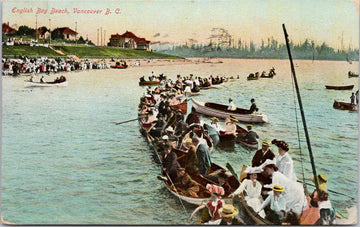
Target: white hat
x=251, y=170
x=165, y=137
x=170, y=129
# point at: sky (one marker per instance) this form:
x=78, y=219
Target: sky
x=335, y=22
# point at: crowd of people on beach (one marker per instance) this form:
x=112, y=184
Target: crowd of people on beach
x=270, y=187
x=37, y=65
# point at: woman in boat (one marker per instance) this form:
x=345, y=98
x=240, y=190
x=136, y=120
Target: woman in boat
x=252, y=187
x=213, y=206
x=231, y=105
x=186, y=184
x=230, y=126
x=283, y=161
x=294, y=191
x=277, y=203
x=212, y=131
x=191, y=161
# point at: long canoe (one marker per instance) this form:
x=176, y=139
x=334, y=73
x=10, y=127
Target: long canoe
x=351, y=74
x=220, y=111
x=347, y=87
x=46, y=84
x=241, y=133
x=345, y=106
x=204, y=195
x=149, y=83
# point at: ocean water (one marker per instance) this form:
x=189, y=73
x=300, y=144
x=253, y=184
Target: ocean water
x=64, y=161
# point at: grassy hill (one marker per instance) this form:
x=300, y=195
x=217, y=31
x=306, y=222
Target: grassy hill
x=82, y=52
x=10, y=51
x=109, y=52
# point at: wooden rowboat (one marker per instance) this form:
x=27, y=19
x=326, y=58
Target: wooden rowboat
x=119, y=66
x=46, y=84
x=204, y=194
x=241, y=133
x=347, y=87
x=345, y=106
x=220, y=111
x=149, y=83
x=352, y=74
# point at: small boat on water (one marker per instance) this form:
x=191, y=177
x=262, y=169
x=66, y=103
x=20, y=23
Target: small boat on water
x=46, y=84
x=117, y=65
x=149, y=83
x=352, y=74
x=241, y=133
x=346, y=87
x=220, y=111
x=227, y=141
x=345, y=106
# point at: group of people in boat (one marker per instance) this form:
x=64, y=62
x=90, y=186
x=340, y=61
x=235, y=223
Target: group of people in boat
x=42, y=79
x=263, y=74
x=270, y=187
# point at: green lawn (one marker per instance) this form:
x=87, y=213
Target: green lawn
x=108, y=52
x=28, y=51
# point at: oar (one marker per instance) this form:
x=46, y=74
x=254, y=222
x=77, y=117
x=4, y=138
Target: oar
x=119, y=123
x=328, y=190
x=231, y=169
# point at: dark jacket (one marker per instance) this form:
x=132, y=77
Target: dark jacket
x=203, y=157
x=259, y=158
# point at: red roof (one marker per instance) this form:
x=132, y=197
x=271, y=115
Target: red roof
x=42, y=31
x=6, y=29
x=131, y=35
x=66, y=30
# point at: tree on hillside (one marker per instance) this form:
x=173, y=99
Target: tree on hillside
x=25, y=30
x=81, y=40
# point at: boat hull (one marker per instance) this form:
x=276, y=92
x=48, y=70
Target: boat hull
x=182, y=107
x=253, y=118
x=348, y=87
x=345, y=106
x=241, y=133
x=149, y=83
x=119, y=66
x=38, y=84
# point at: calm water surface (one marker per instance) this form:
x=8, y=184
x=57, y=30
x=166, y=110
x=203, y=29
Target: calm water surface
x=64, y=161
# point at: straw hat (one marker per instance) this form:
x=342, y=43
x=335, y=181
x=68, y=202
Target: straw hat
x=278, y=188
x=228, y=210
x=249, y=126
x=188, y=140
x=251, y=170
x=214, y=119
x=233, y=118
x=265, y=143
x=322, y=177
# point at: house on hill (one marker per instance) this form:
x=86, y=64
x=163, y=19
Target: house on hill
x=64, y=33
x=43, y=33
x=7, y=30
x=129, y=40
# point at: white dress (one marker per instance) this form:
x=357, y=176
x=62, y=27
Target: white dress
x=293, y=194
x=286, y=166
x=253, y=197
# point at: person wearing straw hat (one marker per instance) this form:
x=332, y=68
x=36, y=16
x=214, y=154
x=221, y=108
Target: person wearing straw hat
x=321, y=181
x=228, y=215
x=252, y=187
x=263, y=154
x=283, y=160
x=230, y=126
x=191, y=161
x=294, y=191
x=277, y=204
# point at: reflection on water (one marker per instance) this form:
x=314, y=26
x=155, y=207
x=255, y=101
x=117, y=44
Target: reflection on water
x=64, y=161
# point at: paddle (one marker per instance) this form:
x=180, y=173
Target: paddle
x=119, y=123
x=231, y=169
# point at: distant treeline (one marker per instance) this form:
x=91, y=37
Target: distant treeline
x=272, y=50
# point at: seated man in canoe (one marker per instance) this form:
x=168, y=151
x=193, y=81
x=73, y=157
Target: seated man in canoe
x=250, y=136
x=253, y=107
x=186, y=184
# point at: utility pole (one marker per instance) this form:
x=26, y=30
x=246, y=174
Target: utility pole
x=49, y=32
x=75, y=33
x=101, y=36
x=97, y=37
x=36, y=29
